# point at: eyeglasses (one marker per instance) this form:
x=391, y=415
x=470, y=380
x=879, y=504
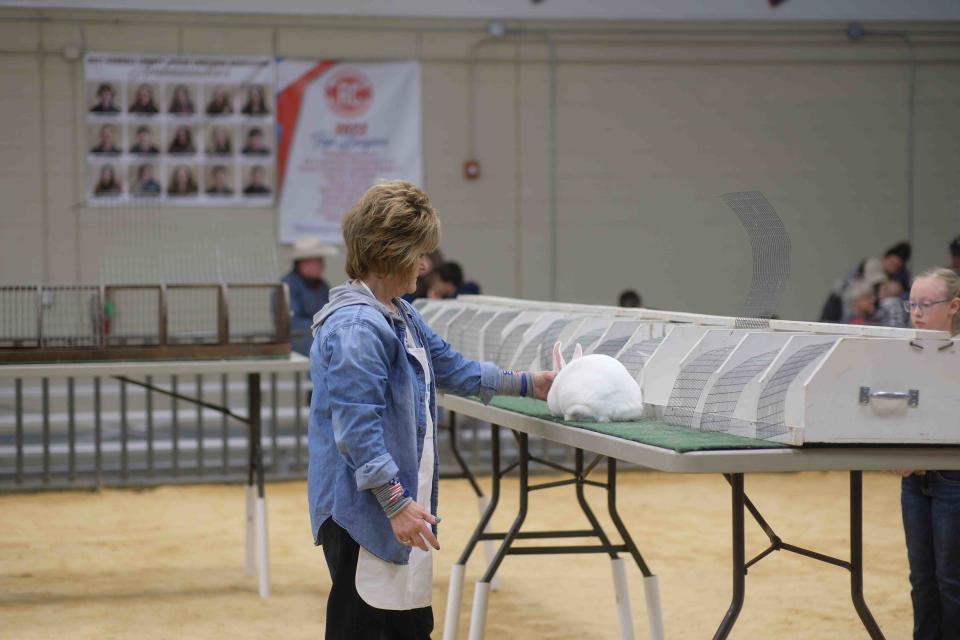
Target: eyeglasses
x=910, y=306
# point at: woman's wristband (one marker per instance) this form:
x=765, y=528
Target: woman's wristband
x=515, y=383
x=393, y=498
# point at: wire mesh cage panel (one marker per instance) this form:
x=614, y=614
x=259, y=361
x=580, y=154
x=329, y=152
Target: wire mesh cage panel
x=133, y=315
x=70, y=317
x=528, y=355
x=549, y=338
x=722, y=399
x=617, y=337
x=635, y=357
x=493, y=334
x=131, y=322
x=472, y=334
x=455, y=329
x=252, y=313
x=19, y=316
x=193, y=314
x=770, y=409
x=441, y=323
x=691, y=383
x=511, y=343
x=430, y=310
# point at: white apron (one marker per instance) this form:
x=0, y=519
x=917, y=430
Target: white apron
x=385, y=585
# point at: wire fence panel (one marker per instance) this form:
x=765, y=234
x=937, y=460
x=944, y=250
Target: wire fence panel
x=61, y=433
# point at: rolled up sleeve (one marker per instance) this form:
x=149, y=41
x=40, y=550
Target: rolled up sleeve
x=357, y=385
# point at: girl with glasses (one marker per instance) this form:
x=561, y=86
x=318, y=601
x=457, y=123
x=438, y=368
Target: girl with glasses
x=930, y=500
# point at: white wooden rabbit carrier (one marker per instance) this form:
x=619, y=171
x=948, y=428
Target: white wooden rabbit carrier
x=793, y=382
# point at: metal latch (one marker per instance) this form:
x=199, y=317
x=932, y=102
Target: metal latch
x=912, y=396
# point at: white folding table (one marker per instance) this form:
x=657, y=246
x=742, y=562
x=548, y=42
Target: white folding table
x=134, y=372
x=733, y=463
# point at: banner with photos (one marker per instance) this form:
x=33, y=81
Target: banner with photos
x=180, y=130
x=342, y=128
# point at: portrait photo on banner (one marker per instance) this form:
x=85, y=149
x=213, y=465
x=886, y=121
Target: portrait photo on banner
x=172, y=130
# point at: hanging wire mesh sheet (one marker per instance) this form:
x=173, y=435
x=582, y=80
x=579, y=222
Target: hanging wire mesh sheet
x=770, y=245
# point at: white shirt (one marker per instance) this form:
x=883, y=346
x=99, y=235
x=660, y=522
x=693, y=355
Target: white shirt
x=402, y=587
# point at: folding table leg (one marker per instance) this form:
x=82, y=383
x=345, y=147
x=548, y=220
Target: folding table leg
x=651, y=591
x=621, y=590
x=478, y=616
x=255, y=474
x=250, y=558
x=856, y=556
x=252, y=439
x=481, y=594
x=263, y=550
x=739, y=559
x=455, y=587
x=483, y=503
x=454, y=597
x=651, y=587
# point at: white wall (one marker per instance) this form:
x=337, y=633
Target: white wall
x=652, y=129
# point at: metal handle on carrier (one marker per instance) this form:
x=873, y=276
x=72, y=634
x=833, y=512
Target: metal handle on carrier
x=912, y=396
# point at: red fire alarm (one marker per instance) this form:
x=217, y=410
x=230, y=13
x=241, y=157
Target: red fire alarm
x=471, y=170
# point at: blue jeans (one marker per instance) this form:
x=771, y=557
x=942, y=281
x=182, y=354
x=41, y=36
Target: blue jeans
x=931, y=521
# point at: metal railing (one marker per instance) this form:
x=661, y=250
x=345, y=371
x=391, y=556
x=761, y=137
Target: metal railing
x=61, y=433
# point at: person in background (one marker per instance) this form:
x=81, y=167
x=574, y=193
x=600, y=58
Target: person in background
x=219, y=104
x=220, y=186
x=431, y=261
x=105, y=98
x=448, y=282
x=373, y=472
x=930, y=500
x=890, y=311
x=630, y=298
x=143, y=103
x=106, y=141
x=181, y=104
x=861, y=299
x=182, y=142
x=182, y=183
x=308, y=290
x=955, y=255
x=256, y=104
x=146, y=185
x=144, y=142
x=107, y=184
x=895, y=264
x=891, y=266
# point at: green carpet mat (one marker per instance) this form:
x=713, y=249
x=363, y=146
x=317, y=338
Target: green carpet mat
x=651, y=432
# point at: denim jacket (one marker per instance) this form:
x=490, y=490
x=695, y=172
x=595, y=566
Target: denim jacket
x=367, y=419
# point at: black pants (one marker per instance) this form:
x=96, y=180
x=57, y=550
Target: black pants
x=348, y=616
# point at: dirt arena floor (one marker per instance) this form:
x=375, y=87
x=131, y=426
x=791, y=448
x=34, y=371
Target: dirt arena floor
x=168, y=563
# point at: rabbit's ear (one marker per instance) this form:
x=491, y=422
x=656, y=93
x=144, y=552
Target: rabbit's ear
x=558, y=362
x=578, y=352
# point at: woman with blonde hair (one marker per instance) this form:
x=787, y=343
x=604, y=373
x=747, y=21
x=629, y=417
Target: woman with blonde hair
x=373, y=473
x=930, y=500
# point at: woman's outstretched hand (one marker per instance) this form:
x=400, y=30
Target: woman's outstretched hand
x=542, y=381
x=412, y=525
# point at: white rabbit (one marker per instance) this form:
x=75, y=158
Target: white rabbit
x=593, y=388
